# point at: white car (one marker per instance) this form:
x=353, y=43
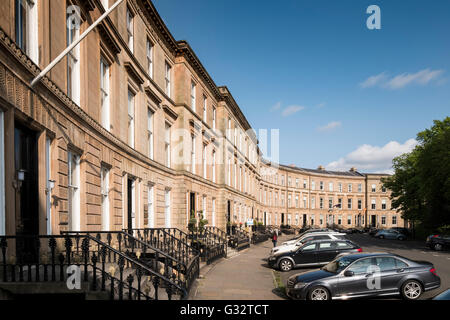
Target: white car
x=307, y=237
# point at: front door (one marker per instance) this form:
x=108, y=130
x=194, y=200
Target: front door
x=26, y=177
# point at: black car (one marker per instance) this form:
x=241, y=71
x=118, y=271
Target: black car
x=373, y=231
x=312, y=253
x=438, y=242
x=365, y=275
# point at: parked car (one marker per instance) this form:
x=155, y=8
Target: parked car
x=294, y=245
x=405, y=231
x=349, y=276
x=315, y=252
x=293, y=239
x=443, y=295
x=373, y=231
x=438, y=242
x=390, y=234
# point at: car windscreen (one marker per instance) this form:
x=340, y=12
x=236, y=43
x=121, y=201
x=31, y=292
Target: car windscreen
x=338, y=264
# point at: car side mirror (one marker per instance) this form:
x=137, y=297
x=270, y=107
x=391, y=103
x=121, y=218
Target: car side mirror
x=349, y=273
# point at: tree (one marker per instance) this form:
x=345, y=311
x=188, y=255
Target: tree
x=421, y=183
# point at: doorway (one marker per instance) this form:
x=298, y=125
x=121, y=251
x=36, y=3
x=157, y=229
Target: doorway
x=373, y=222
x=192, y=212
x=131, y=205
x=26, y=199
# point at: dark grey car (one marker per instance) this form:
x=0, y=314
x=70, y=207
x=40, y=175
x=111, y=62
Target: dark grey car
x=365, y=275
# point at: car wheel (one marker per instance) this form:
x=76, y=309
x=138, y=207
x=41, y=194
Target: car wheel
x=401, y=238
x=411, y=290
x=286, y=265
x=438, y=247
x=319, y=293
x=380, y=237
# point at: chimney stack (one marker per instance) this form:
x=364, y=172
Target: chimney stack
x=321, y=168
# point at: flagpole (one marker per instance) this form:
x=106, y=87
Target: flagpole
x=73, y=44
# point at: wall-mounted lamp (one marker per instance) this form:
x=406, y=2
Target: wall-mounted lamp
x=51, y=186
x=21, y=175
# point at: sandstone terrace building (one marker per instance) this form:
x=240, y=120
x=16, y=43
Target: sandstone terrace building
x=129, y=130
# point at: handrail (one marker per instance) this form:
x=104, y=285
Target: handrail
x=170, y=239
x=73, y=256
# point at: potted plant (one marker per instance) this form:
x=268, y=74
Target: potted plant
x=201, y=225
x=192, y=225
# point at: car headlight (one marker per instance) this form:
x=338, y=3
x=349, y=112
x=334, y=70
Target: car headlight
x=299, y=285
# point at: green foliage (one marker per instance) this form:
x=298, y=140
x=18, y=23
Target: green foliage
x=421, y=183
x=192, y=226
x=201, y=225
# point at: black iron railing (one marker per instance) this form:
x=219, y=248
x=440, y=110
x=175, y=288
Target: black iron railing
x=240, y=240
x=103, y=267
x=168, y=241
x=180, y=270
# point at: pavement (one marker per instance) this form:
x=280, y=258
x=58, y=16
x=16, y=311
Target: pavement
x=244, y=276
x=414, y=250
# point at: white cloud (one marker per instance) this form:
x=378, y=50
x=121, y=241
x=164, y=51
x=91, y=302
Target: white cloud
x=373, y=80
x=291, y=110
x=321, y=105
x=421, y=77
x=330, y=126
x=276, y=106
x=368, y=158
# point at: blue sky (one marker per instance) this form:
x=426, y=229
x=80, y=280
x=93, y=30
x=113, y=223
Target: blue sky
x=342, y=95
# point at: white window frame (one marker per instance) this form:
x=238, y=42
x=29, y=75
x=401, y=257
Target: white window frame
x=213, y=212
x=2, y=176
x=73, y=59
x=28, y=40
x=151, y=205
x=104, y=178
x=167, y=140
x=105, y=4
x=48, y=197
x=150, y=137
x=193, y=95
x=193, y=162
x=204, y=207
x=105, y=94
x=214, y=110
x=74, y=191
x=130, y=29
x=214, y=166
x=205, y=106
x=204, y=161
x=167, y=78
x=167, y=213
x=149, y=51
x=131, y=118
